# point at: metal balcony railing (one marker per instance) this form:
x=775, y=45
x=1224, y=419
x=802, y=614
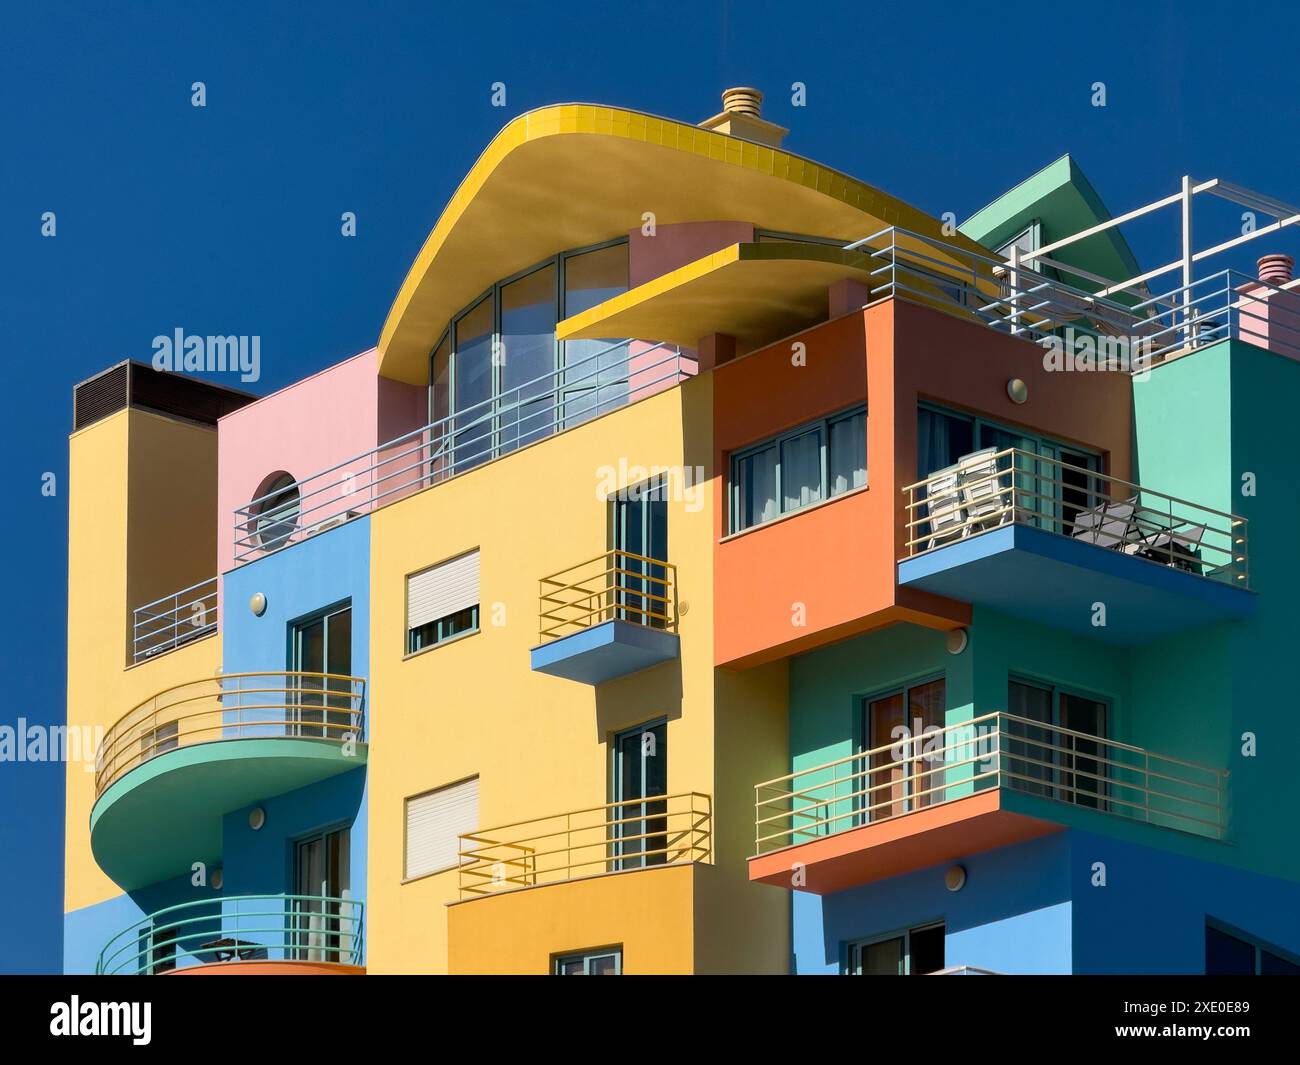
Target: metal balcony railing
x=987, y=489
x=613, y=377
x=231, y=706
x=995, y=750
x=173, y=620
x=1130, y=329
x=243, y=928
x=616, y=837
x=615, y=586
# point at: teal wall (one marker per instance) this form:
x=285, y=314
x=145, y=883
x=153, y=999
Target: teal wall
x=1201, y=423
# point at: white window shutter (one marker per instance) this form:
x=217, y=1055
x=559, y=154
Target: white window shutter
x=442, y=590
x=435, y=821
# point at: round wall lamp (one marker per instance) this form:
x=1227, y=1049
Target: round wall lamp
x=217, y=880
x=257, y=604
x=1017, y=390
x=957, y=641
x=256, y=818
x=954, y=879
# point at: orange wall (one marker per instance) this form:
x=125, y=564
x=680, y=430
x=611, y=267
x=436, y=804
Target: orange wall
x=834, y=566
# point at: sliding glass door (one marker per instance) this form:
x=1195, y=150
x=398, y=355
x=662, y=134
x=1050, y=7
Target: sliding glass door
x=640, y=534
x=640, y=773
x=322, y=707
x=901, y=778
x=319, y=931
x=1053, y=481
x=1059, y=759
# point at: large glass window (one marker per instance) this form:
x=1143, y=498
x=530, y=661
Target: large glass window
x=596, y=371
x=472, y=392
x=502, y=377
x=527, y=357
x=798, y=468
x=440, y=403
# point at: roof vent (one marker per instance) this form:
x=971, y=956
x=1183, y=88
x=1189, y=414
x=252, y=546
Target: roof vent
x=741, y=117
x=743, y=101
x=1275, y=269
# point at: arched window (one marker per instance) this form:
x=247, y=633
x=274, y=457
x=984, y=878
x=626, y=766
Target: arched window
x=275, y=511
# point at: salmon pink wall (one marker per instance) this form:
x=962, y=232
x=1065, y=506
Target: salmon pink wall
x=310, y=426
x=831, y=571
x=678, y=244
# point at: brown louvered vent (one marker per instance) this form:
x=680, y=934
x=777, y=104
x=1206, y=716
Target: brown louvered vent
x=135, y=384
x=99, y=397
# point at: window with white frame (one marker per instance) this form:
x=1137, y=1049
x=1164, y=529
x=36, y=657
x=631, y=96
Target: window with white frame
x=799, y=468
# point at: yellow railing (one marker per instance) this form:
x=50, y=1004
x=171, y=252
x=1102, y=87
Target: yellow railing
x=322, y=706
x=995, y=750
x=615, y=586
x=615, y=837
x=990, y=488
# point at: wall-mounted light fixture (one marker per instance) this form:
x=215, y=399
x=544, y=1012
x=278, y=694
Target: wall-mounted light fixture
x=256, y=818
x=1017, y=390
x=957, y=641
x=954, y=879
x=257, y=604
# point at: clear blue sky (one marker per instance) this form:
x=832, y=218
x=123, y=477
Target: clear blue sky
x=225, y=220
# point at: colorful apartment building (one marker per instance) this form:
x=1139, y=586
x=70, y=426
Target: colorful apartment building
x=718, y=565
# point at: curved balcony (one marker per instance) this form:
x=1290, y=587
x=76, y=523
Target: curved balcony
x=243, y=934
x=170, y=768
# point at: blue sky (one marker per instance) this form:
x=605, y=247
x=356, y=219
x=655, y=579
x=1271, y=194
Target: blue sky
x=225, y=219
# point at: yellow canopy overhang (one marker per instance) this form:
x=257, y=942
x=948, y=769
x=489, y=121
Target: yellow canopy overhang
x=753, y=292
x=575, y=174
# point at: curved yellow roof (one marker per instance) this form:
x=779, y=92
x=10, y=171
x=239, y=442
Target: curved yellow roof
x=575, y=174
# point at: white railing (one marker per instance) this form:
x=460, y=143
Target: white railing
x=173, y=620
x=996, y=750
x=607, y=379
x=1131, y=331
x=988, y=489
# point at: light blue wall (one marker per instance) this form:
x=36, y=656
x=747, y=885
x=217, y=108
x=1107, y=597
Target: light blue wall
x=87, y=931
x=1042, y=907
x=1013, y=915
x=328, y=569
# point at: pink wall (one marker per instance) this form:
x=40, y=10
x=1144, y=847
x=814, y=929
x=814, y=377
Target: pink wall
x=1270, y=319
x=308, y=427
x=678, y=244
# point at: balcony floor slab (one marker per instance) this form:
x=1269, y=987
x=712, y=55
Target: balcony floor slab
x=604, y=652
x=156, y=820
x=1055, y=580
x=898, y=845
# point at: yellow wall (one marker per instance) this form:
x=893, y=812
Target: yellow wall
x=649, y=914
x=539, y=743
x=141, y=523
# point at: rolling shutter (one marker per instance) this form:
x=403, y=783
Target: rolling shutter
x=435, y=822
x=442, y=590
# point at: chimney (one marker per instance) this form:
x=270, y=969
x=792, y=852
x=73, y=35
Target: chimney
x=1275, y=269
x=742, y=117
